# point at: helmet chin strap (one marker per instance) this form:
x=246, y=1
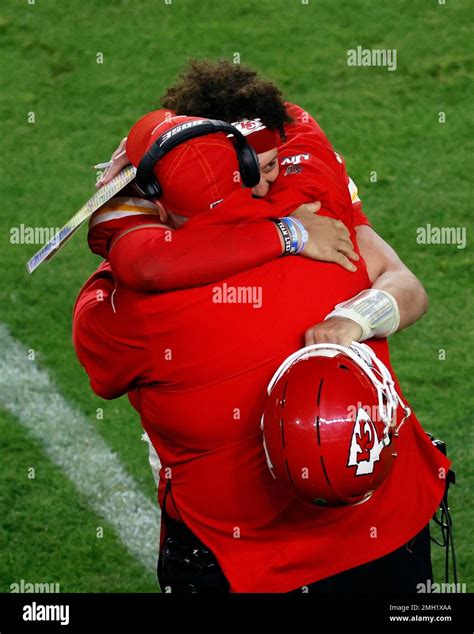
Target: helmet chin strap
x=367, y=360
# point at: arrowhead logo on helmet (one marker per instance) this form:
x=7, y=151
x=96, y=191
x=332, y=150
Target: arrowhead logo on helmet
x=315, y=439
x=365, y=448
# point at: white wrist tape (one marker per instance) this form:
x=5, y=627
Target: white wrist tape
x=374, y=310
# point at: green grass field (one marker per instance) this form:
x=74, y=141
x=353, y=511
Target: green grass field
x=381, y=121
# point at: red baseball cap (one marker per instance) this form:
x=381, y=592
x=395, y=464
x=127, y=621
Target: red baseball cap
x=195, y=175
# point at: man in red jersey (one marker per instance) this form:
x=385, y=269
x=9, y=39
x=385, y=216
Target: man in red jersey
x=196, y=369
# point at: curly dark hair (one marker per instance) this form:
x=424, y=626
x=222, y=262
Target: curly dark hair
x=226, y=91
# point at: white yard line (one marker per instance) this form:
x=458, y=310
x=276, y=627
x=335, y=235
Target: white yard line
x=71, y=442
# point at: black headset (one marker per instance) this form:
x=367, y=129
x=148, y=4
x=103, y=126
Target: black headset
x=145, y=178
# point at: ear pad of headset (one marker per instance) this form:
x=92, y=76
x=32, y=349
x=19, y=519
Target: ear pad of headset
x=145, y=178
x=249, y=166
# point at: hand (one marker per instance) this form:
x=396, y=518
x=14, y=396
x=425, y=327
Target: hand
x=119, y=161
x=329, y=239
x=335, y=330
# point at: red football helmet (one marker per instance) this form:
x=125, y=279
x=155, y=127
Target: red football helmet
x=329, y=423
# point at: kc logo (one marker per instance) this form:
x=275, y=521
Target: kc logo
x=248, y=126
x=365, y=447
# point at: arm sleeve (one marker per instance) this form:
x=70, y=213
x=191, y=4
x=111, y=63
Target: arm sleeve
x=154, y=259
x=113, y=362
x=359, y=216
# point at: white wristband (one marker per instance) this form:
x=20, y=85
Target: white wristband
x=374, y=310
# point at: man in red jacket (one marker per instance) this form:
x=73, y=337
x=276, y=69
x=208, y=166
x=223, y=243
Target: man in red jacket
x=196, y=369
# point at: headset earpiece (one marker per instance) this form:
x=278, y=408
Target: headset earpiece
x=249, y=166
x=145, y=178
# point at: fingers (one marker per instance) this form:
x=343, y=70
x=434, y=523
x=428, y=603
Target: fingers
x=343, y=231
x=311, y=208
x=329, y=239
x=119, y=161
x=334, y=330
x=342, y=260
x=346, y=247
x=306, y=210
x=120, y=149
x=309, y=337
x=320, y=334
x=112, y=171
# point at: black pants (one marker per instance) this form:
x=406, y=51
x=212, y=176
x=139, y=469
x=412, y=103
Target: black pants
x=399, y=571
x=186, y=565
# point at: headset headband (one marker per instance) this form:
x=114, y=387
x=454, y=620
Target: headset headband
x=181, y=133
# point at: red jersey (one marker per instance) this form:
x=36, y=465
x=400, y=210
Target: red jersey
x=196, y=364
x=310, y=167
x=306, y=134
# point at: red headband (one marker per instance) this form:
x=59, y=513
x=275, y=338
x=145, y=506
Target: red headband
x=258, y=136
